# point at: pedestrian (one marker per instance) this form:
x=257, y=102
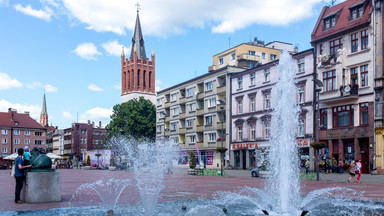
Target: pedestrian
x=27, y=156
x=352, y=172
x=358, y=170
x=306, y=166
x=340, y=166
x=19, y=174
x=334, y=165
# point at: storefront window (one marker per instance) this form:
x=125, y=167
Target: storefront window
x=252, y=161
x=237, y=158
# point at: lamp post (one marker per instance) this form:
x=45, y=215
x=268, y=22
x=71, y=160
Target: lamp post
x=222, y=104
x=319, y=85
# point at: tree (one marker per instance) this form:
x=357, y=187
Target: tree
x=135, y=118
x=192, y=160
x=88, y=161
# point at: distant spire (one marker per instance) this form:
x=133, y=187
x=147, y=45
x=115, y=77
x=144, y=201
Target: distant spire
x=44, y=114
x=138, y=40
x=122, y=52
x=153, y=52
x=44, y=107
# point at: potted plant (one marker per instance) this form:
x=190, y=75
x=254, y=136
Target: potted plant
x=88, y=167
x=192, y=160
x=221, y=149
x=112, y=166
x=318, y=145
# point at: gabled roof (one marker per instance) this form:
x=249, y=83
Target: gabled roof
x=138, y=40
x=343, y=22
x=8, y=119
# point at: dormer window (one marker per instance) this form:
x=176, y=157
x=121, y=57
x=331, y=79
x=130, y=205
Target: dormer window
x=16, y=123
x=329, y=22
x=357, y=12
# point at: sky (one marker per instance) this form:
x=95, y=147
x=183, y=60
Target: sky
x=70, y=49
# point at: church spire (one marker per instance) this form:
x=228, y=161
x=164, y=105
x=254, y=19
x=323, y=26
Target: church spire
x=138, y=40
x=44, y=114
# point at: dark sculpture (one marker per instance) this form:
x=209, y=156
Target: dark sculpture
x=39, y=159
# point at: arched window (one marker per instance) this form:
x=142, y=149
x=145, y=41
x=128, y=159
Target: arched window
x=150, y=79
x=128, y=80
x=138, y=78
x=124, y=87
x=144, y=79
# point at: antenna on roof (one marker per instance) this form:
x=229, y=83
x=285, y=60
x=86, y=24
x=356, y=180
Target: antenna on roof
x=333, y=3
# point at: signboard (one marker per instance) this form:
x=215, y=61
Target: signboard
x=303, y=142
x=243, y=146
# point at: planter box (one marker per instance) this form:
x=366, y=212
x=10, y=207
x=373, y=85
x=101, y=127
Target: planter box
x=112, y=168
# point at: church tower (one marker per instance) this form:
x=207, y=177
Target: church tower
x=44, y=114
x=137, y=72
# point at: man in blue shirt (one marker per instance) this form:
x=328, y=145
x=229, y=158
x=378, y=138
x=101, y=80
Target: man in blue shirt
x=19, y=174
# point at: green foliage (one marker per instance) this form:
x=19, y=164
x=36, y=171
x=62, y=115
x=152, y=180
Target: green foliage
x=88, y=161
x=112, y=161
x=136, y=118
x=192, y=160
x=69, y=160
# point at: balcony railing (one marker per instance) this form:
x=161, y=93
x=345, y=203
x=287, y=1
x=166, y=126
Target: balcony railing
x=349, y=90
x=247, y=57
x=221, y=89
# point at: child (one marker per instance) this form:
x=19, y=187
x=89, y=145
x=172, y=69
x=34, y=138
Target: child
x=27, y=156
x=358, y=170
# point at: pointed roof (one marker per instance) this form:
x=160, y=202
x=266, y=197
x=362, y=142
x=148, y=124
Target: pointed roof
x=44, y=107
x=138, y=40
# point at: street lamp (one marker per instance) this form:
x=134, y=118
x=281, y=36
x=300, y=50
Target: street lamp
x=319, y=85
x=222, y=105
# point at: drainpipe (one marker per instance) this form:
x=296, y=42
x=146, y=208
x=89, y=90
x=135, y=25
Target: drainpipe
x=374, y=84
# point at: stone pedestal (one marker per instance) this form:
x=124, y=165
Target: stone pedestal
x=42, y=187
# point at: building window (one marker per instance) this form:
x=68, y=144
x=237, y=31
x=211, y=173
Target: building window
x=175, y=140
x=239, y=133
x=267, y=130
x=364, y=114
x=39, y=142
x=329, y=80
x=233, y=56
x=173, y=126
x=323, y=119
x=252, y=104
x=267, y=74
x=357, y=12
x=208, y=86
x=173, y=97
x=335, y=45
x=159, y=101
x=321, y=49
x=189, y=123
x=16, y=132
x=208, y=120
x=272, y=57
x=253, y=131
x=4, y=131
x=364, y=39
x=267, y=98
x=239, y=106
x=301, y=127
x=364, y=75
x=301, y=95
x=221, y=61
x=83, y=131
x=240, y=82
x=263, y=55
x=161, y=115
x=354, y=42
x=212, y=102
x=190, y=92
x=192, y=139
x=253, y=79
x=212, y=137
x=251, y=64
x=3, y=150
x=158, y=128
x=343, y=116
x=4, y=140
x=250, y=52
x=176, y=111
x=192, y=107
x=354, y=73
x=301, y=65
x=329, y=22
x=27, y=142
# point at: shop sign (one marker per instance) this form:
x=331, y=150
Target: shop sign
x=303, y=142
x=244, y=146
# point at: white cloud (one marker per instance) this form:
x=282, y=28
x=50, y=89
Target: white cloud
x=94, y=87
x=34, y=85
x=87, y=51
x=67, y=115
x=50, y=88
x=159, y=85
x=44, y=14
x=97, y=114
x=158, y=18
x=118, y=87
x=6, y=82
x=34, y=110
x=114, y=48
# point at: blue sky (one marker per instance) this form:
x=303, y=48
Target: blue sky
x=71, y=48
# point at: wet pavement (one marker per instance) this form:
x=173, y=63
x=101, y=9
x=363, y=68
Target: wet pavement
x=181, y=186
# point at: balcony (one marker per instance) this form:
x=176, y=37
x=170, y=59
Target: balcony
x=182, y=115
x=349, y=90
x=167, y=104
x=218, y=143
x=221, y=89
x=246, y=57
x=200, y=95
x=182, y=100
x=211, y=68
x=200, y=128
x=200, y=112
x=182, y=130
x=218, y=125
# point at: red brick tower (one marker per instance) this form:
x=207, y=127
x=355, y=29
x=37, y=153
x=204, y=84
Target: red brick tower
x=44, y=114
x=137, y=72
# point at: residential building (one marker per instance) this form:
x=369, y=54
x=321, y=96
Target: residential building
x=190, y=113
x=82, y=137
x=343, y=42
x=58, y=142
x=19, y=130
x=249, y=55
x=137, y=72
x=252, y=110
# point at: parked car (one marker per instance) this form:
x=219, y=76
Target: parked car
x=255, y=171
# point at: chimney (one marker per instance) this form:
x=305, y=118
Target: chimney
x=296, y=50
x=99, y=124
x=89, y=121
x=93, y=124
x=26, y=112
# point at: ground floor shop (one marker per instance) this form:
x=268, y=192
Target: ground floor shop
x=210, y=159
x=348, y=145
